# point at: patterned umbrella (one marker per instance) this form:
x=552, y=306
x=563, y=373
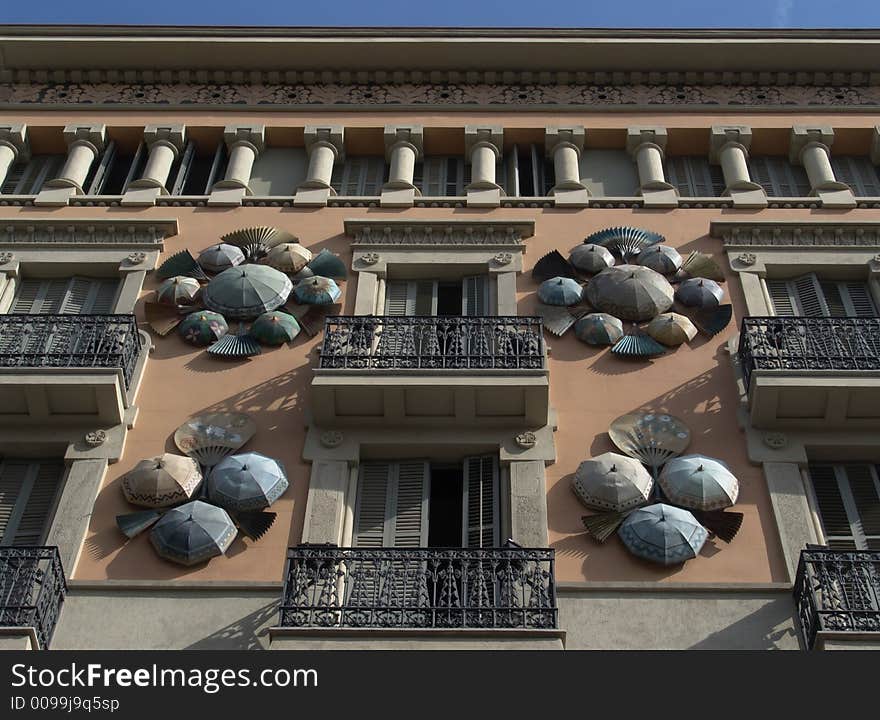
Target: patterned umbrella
x=699, y=482
x=275, y=328
x=699, y=293
x=630, y=292
x=560, y=291
x=663, y=534
x=249, y=481
x=598, y=329
x=590, y=258
x=660, y=258
x=162, y=481
x=203, y=327
x=612, y=482
x=672, y=329
x=193, y=533
x=247, y=291
x=220, y=257
x=178, y=290
x=317, y=290
x=288, y=257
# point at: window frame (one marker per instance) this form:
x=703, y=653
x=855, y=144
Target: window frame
x=20, y=505
x=857, y=536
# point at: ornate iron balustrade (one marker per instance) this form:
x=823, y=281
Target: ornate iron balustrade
x=70, y=341
x=809, y=343
x=837, y=591
x=330, y=587
x=435, y=343
x=32, y=588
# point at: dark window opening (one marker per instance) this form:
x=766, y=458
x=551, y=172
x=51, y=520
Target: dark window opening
x=445, y=512
x=449, y=298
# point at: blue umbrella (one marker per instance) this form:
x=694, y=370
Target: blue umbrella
x=598, y=329
x=247, y=291
x=192, y=533
x=249, y=481
x=699, y=293
x=663, y=534
x=317, y=290
x=560, y=291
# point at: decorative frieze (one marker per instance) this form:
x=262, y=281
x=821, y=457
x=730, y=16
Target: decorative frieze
x=797, y=235
x=439, y=233
x=87, y=233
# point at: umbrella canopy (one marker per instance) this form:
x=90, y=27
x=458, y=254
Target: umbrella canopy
x=699, y=482
x=275, y=328
x=598, y=329
x=590, y=258
x=317, y=290
x=560, y=291
x=672, y=329
x=630, y=292
x=699, y=293
x=220, y=257
x=660, y=258
x=249, y=481
x=612, y=482
x=663, y=534
x=288, y=257
x=162, y=481
x=247, y=291
x=193, y=533
x=178, y=290
x=203, y=327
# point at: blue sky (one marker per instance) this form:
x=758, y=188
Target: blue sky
x=462, y=13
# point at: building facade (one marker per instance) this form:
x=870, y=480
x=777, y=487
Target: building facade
x=440, y=166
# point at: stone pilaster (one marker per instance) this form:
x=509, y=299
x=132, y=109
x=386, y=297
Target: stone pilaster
x=244, y=144
x=164, y=144
x=811, y=147
x=729, y=148
x=325, y=148
x=564, y=146
x=403, y=148
x=84, y=144
x=483, y=147
x=13, y=147
x=647, y=146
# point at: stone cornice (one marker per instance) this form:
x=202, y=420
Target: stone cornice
x=795, y=234
x=438, y=233
x=43, y=232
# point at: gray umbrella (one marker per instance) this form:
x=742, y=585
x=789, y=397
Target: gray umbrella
x=193, y=533
x=591, y=259
x=699, y=482
x=560, y=291
x=247, y=291
x=660, y=258
x=612, y=482
x=249, y=481
x=598, y=329
x=663, y=534
x=220, y=257
x=699, y=293
x=630, y=292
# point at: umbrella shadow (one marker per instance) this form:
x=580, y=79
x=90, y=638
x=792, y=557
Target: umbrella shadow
x=249, y=633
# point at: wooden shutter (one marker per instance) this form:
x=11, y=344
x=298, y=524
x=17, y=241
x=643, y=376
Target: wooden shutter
x=857, y=299
x=392, y=504
x=410, y=499
x=373, y=176
x=784, y=302
x=362, y=175
x=102, y=172
x=372, y=505
x=71, y=296
x=537, y=171
x=475, y=296
x=184, y=167
x=218, y=167
x=778, y=177
x=858, y=172
x=430, y=176
x=398, y=299
x=848, y=497
x=12, y=478
x=480, y=502
x=28, y=297
x=832, y=511
x=27, y=496
x=14, y=177
x=810, y=299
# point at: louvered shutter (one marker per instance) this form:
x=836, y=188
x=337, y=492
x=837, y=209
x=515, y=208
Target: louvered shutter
x=862, y=482
x=184, y=168
x=14, y=178
x=845, y=173
x=784, y=302
x=759, y=172
x=832, y=511
x=676, y=175
x=373, y=176
x=858, y=296
x=13, y=475
x=537, y=168
x=99, y=175
x=811, y=301
x=28, y=297
x=336, y=177
x=399, y=300
x=475, y=296
x=858, y=172
x=834, y=299
x=372, y=505
x=352, y=172
x=27, y=497
x=778, y=177
x=480, y=502
x=432, y=180
x=410, y=504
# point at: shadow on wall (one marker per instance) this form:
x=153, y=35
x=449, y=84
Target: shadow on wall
x=775, y=622
x=249, y=633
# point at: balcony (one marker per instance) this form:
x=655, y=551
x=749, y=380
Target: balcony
x=67, y=368
x=837, y=594
x=32, y=589
x=812, y=372
x=432, y=370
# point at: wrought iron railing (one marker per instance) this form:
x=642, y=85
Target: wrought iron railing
x=837, y=591
x=70, y=341
x=32, y=589
x=435, y=343
x=809, y=343
x=427, y=588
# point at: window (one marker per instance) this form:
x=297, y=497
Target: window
x=468, y=296
x=527, y=173
x=417, y=503
x=115, y=170
x=608, y=173
x=693, y=176
x=810, y=296
x=779, y=177
x=195, y=171
x=442, y=176
x=359, y=176
x=27, y=497
x=27, y=178
x=848, y=499
x=69, y=296
x=857, y=172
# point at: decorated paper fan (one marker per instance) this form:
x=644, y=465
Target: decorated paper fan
x=235, y=346
x=257, y=241
x=212, y=436
x=699, y=264
x=553, y=264
x=638, y=344
x=652, y=438
x=181, y=263
x=625, y=241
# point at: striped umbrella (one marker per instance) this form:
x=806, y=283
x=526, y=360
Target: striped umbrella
x=193, y=533
x=178, y=290
x=275, y=328
x=317, y=290
x=663, y=534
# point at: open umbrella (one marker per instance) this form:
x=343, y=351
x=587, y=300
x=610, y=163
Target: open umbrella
x=178, y=290
x=630, y=292
x=663, y=534
x=612, y=482
x=162, y=481
x=598, y=329
x=560, y=291
x=193, y=533
x=590, y=258
x=660, y=258
x=203, y=327
x=249, y=481
x=247, y=291
x=699, y=482
x=699, y=293
x=317, y=290
x=672, y=329
x=275, y=328
x=220, y=257
x=288, y=257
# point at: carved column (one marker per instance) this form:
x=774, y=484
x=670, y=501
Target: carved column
x=324, y=146
x=244, y=144
x=13, y=146
x=564, y=146
x=811, y=147
x=483, y=150
x=647, y=145
x=165, y=143
x=84, y=144
x=403, y=148
x=729, y=147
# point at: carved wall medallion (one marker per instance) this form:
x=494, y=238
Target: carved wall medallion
x=775, y=440
x=136, y=258
x=331, y=439
x=526, y=440
x=94, y=438
x=370, y=258
x=747, y=258
x=503, y=258
x=6, y=257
